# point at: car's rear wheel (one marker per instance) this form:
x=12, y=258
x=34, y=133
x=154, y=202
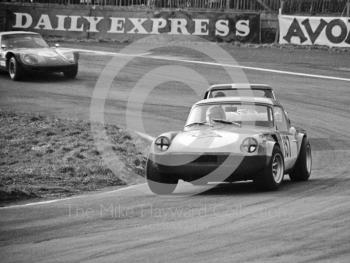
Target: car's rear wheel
x=14, y=69
x=302, y=167
x=273, y=174
x=159, y=183
x=71, y=73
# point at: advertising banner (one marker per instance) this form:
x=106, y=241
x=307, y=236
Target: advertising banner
x=304, y=30
x=86, y=22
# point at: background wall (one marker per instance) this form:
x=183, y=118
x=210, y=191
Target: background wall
x=216, y=25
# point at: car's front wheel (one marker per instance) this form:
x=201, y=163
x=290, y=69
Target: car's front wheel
x=302, y=168
x=273, y=174
x=159, y=183
x=14, y=69
x=71, y=73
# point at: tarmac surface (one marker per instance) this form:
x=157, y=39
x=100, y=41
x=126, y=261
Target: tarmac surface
x=302, y=222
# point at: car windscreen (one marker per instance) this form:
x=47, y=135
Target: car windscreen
x=23, y=41
x=239, y=114
x=262, y=93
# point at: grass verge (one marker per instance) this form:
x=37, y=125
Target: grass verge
x=50, y=157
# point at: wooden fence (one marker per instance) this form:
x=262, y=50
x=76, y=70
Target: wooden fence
x=289, y=6
x=314, y=7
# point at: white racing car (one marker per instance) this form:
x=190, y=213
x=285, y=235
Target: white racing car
x=230, y=139
x=23, y=52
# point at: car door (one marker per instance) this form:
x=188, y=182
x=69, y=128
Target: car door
x=289, y=140
x=2, y=55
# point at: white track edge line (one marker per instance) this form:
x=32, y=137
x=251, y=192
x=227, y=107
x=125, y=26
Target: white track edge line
x=73, y=197
x=251, y=68
x=146, y=55
x=145, y=136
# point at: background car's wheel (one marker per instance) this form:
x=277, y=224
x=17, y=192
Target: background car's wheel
x=14, y=69
x=302, y=167
x=71, y=73
x=273, y=174
x=157, y=182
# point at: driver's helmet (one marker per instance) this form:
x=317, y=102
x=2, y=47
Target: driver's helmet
x=219, y=94
x=215, y=112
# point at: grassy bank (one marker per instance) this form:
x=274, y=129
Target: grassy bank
x=49, y=157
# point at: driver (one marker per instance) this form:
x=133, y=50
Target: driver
x=219, y=94
x=215, y=112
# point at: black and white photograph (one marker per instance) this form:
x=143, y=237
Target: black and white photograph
x=175, y=131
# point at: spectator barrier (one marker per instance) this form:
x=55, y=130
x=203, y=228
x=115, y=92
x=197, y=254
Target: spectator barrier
x=305, y=30
x=218, y=20
x=113, y=23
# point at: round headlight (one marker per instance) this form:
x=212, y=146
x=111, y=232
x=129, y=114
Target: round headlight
x=249, y=145
x=30, y=59
x=162, y=143
x=70, y=57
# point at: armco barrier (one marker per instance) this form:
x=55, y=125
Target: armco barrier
x=125, y=24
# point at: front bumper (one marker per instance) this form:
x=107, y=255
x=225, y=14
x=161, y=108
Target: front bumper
x=210, y=167
x=56, y=68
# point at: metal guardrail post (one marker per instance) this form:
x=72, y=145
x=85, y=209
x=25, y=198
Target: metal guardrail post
x=227, y=4
x=280, y=11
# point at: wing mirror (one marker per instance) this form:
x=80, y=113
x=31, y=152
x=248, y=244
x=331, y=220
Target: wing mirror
x=292, y=131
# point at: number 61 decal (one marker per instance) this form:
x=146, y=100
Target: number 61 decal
x=286, y=146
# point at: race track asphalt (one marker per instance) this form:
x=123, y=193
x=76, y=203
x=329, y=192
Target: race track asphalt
x=303, y=222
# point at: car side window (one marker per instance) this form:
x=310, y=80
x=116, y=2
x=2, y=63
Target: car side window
x=280, y=119
x=2, y=55
x=1, y=43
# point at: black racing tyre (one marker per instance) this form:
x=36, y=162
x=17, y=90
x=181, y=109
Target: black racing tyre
x=157, y=182
x=14, y=68
x=71, y=73
x=302, y=167
x=273, y=174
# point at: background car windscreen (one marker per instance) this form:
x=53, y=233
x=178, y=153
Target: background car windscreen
x=241, y=93
x=24, y=41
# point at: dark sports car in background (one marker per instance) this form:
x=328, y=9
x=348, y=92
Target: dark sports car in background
x=230, y=139
x=23, y=52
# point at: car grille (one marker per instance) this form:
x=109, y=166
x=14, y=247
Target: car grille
x=210, y=158
x=207, y=159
